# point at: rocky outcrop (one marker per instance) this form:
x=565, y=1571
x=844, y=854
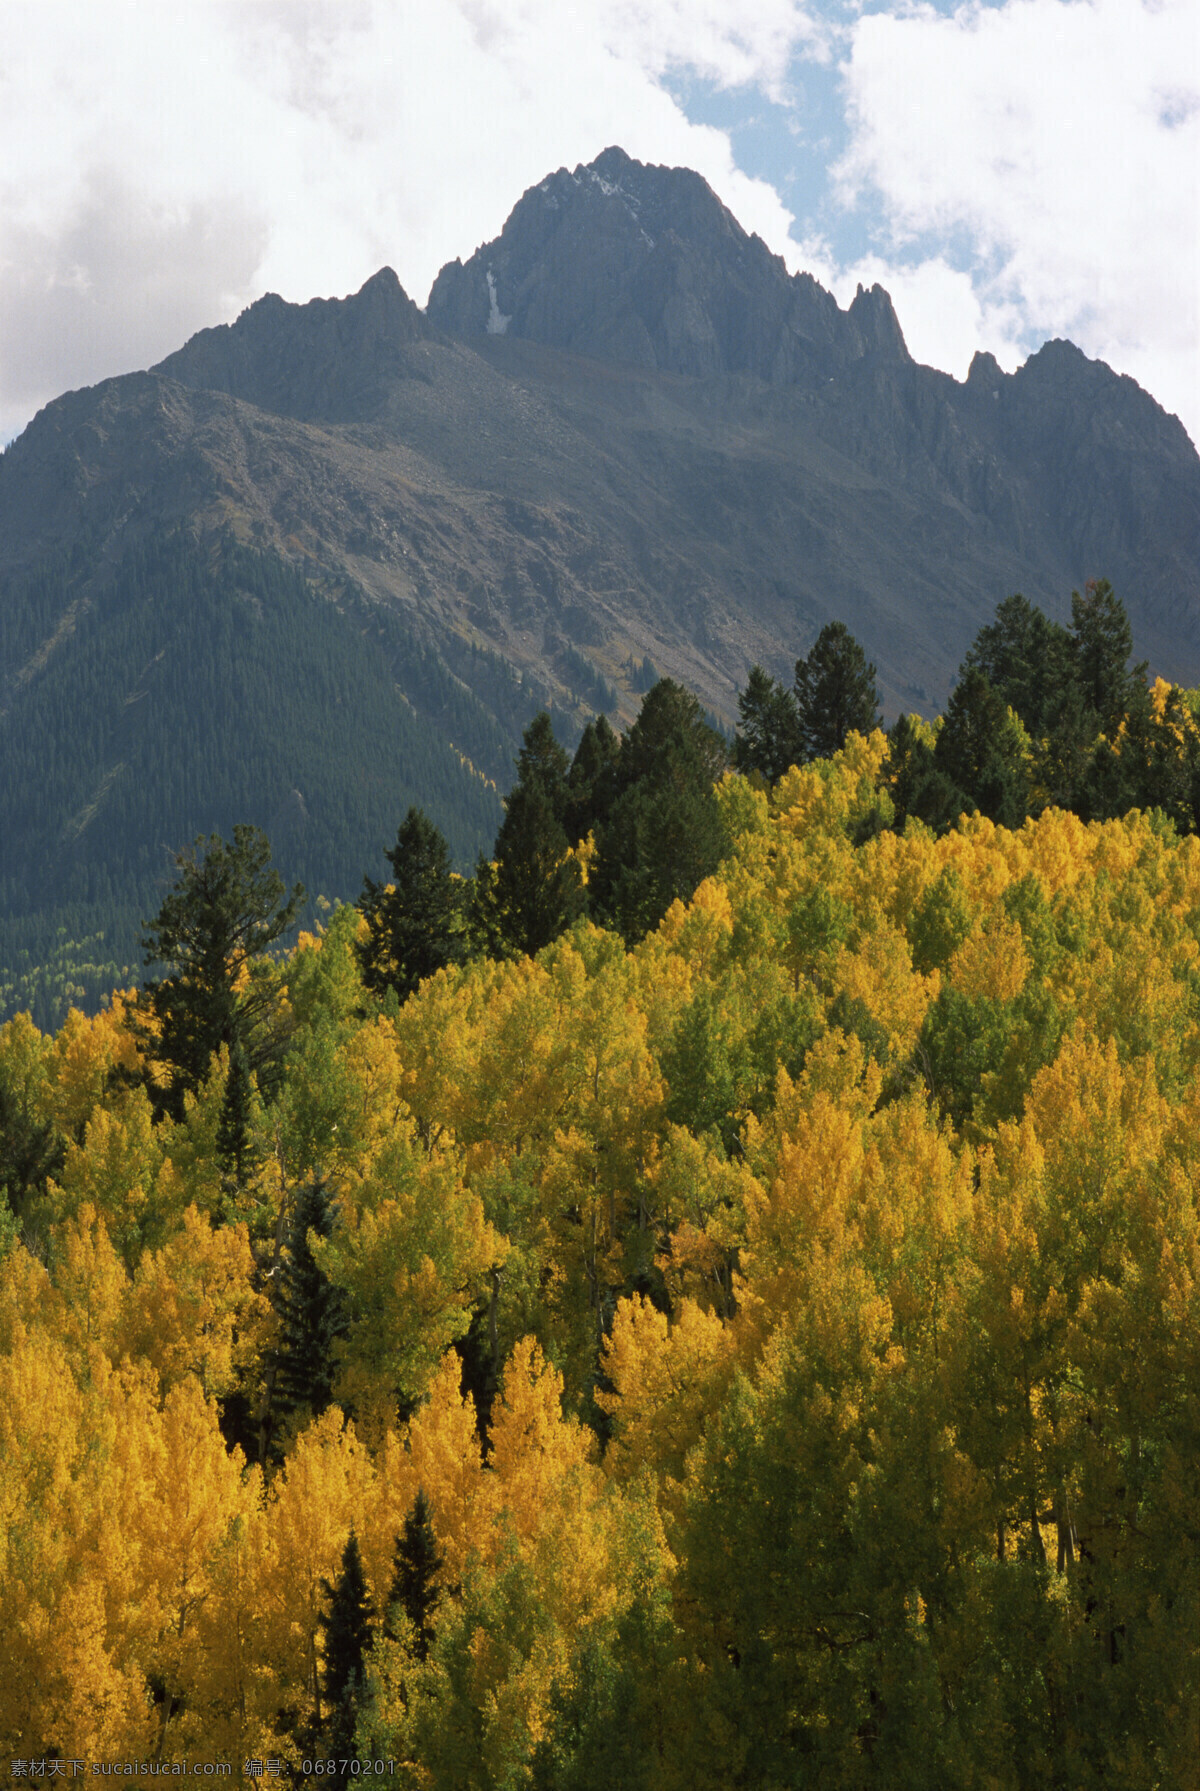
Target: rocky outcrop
x=331, y=360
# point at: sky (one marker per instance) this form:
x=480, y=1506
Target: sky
x=1011, y=170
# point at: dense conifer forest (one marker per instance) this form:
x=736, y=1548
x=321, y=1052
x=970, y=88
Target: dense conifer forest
x=711, y=1299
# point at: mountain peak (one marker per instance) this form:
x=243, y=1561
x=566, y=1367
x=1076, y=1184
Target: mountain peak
x=628, y=261
x=328, y=360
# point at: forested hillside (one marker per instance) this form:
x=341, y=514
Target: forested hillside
x=749, y=1342
x=195, y=686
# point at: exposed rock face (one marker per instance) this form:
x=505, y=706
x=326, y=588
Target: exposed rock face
x=332, y=359
x=644, y=265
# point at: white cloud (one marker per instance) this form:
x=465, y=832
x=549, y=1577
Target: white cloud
x=1060, y=141
x=163, y=165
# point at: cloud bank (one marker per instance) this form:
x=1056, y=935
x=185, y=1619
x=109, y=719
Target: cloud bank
x=1057, y=146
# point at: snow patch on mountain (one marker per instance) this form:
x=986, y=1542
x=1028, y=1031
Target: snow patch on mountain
x=497, y=322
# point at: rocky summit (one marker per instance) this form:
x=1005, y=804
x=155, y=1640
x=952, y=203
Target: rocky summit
x=645, y=266
x=328, y=559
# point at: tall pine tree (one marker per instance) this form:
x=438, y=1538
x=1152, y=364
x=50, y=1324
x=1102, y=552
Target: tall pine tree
x=415, y=925
x=835, y=692
x=348, y=1638
x=591, y=781
x=227, y=907
x=979, y=750
x=1101, y=643
x=414, y=1587
x=769, y=738
x=536, y=889
x=664, y=832
x=311, y=1318
x=234, y=1151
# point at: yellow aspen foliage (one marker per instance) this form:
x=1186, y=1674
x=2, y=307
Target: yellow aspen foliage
x=992, y=963
x=821, y=801
x=549, y=1586
x=388, y=1499
x=700, y=1200
x=1099, y=1124
x=699, y=930
x=191, y=1145
x=912, y=1213
x=837, y=1066
x=234, y=1694
x=311, y=1506
x=893, y=870
x=193, y=1310
x=878, y=973
x=69, y=1512
x=186, y=1519
x=116, y=1169
x=377, y=1085
x=101, y=1706
x=91, y=1281
x=667, y=1381
x=85, y=1053
x=410, y=1251
x=444, y=1459
x=25, y=1055
x=535, y=1450
x=27, y=1295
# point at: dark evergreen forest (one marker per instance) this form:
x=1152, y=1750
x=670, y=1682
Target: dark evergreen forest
x=186, y=690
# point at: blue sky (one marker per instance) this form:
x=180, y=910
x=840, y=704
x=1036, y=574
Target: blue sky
x=1011, y=170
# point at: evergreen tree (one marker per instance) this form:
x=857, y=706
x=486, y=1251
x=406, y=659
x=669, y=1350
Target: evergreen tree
x=543, y=763
x=591, y=782
x=233, y=1144
x=1101, y=643
x=536, y=890
x=416, y=925
x=835, y=692
x=664, y=833
x=414, y=1580
x=31, y=1150
x=1155, y=764
x=769, y=739
x=226, y=909
x=348, y=1638
x=979, y=751
x=919, y=787
x=311, y=1316
x=1027, y=660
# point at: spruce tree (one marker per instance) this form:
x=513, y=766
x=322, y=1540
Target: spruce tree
x=664, y=832
x=416, y=925
x=226, y=908
x=979, y=751
x=769, y=739
x=835, y=692
x=592, y=779
x=311, y=1316
x=918, y=786
x=1101, y=643
x=1027, y=660
x=348, y=1638
x=237, y=1105
x=536, y=890
x=414, y=1580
